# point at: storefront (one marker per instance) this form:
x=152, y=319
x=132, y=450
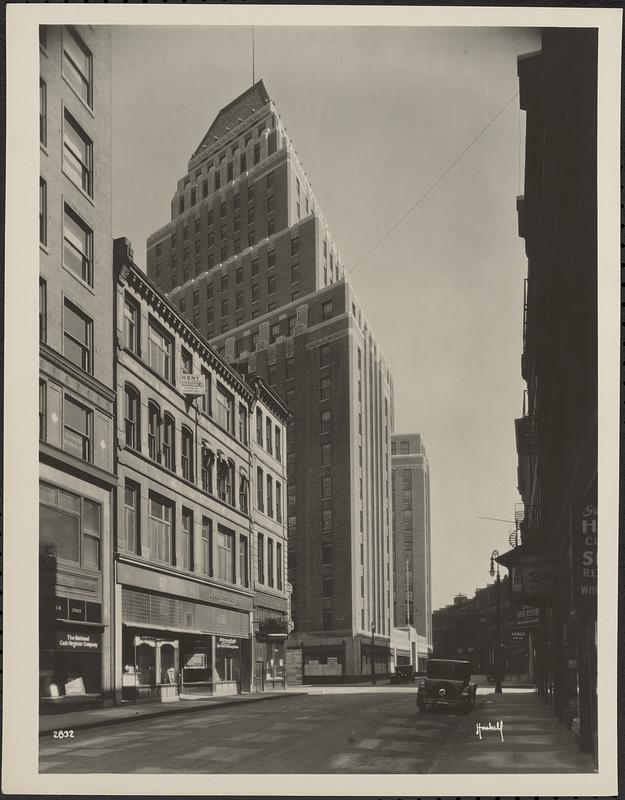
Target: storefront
x=270, y=657
x=323, y=663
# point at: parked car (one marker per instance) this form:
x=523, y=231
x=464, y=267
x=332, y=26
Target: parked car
x=404, y=673
x=447, y=684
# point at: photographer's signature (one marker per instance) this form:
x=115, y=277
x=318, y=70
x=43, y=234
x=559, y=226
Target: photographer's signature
x=498, y=726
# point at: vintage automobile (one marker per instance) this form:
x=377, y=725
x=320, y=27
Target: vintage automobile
x=404, y=673
x=447, y=685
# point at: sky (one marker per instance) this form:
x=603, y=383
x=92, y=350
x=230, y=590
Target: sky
x=377, y=116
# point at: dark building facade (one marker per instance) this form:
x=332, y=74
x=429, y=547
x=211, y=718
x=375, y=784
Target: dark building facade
x=412, y=584
x=553, y=568
x=467, y=629
x=249, y=261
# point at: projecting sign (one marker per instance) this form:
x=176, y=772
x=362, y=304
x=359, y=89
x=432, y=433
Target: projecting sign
x=192, y=384
x=537, y=574
x=585, y=555
x=527, y=617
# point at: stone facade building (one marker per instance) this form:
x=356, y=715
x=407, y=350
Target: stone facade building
x=248, y=259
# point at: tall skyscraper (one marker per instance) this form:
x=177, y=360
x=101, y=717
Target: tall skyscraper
x=76, y=388
x=248, y=258
x=412, y=595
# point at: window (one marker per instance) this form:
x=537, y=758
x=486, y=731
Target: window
x=326, y=553
x=291, y=494
x=257, y=152
x=77, y=154
x=271, y=284
x=326, y=519
x=206, y=547
x=207, y=405
x=260, y=558
x=186, y=536
x=279, y=581
x=270, y=565
x=42, y=409
x=255, y=293
x=77, y=65
x=259, y=426
x=328, y=619
x=295, y=245
x=292, y=323
x=327, y=310
x=154, y=432
x=407, y=476
x=69, y=526
x=225, y=409
x=271, y=227
x=224, y=308
x=169, y=443
x=225, y=481
x=77, y=429
x=243, y=494
x=131, y=417
x=77, y=337
x=187, y=454
x=326, y=454
x=243, y=424
x=278, y=441
x=43, y=212
x=43, y=310
x=278, y=502
x=186, y=359
x=269, y=496
x=268, y=435
x=131, y=325
x=207, y=469
x=289, y=366
x=255, y=266
x=326, y=487
x=324, y=355
x=160, y=348
x=259, y=489
x=324, y=388
x=225, y=554
x=243, y=561
x=326, y=421
x=326, y=586
x=295, y=271
x=130, y=541
x=160, y=530
x=77, y=246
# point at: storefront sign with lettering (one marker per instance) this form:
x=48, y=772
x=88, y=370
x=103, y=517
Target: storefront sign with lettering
x=227, y=643
x=78, y=642
x=585, y=556
x=537, y=575
x=527, y=617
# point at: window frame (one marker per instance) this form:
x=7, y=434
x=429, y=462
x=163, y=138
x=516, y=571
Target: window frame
x=76, y=162
x=84, y=256
x=87, y=79
x=86, y=437
x=86, y=347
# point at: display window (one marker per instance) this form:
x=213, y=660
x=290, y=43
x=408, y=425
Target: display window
x=227, y=659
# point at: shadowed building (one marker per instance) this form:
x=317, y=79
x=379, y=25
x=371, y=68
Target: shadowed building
x=249, y=260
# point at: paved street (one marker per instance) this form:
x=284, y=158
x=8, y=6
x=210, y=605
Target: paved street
x=377, y=732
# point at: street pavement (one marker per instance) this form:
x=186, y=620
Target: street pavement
x=372, y=730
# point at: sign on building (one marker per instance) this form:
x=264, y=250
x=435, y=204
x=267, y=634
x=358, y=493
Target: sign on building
x=192, y=384
x=537, y=575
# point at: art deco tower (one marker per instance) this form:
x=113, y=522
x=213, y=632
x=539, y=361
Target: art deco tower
x=249, y=259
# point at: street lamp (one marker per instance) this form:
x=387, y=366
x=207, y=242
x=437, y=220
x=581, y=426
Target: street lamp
x=493, y=560
x=373, y=653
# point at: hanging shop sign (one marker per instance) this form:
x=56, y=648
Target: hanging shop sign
x=74, y=642
x=537, y=575
x=192, y=384
x=585, y=556
x=527, y=617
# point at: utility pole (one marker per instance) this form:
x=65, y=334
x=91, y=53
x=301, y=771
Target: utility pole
x=493, y=560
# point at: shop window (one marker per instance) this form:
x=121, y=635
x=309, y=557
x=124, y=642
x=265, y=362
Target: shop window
x=77, y=429
x=69, y=526
x=227, y=659
x=130, y=541
x=160, y=530
x=132, y=404
x=186, y=537
x=225, y=554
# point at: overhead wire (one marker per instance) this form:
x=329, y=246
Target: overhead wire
x=432, y=185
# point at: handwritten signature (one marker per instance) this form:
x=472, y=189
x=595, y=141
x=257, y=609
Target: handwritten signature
x=498, y=726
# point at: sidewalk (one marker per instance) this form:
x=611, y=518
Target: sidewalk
x=533, y=740
x=97, y=717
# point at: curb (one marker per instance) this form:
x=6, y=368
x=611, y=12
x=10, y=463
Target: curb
x=101, y=723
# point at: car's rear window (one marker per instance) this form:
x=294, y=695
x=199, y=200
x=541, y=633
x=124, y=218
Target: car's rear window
x=448, y=669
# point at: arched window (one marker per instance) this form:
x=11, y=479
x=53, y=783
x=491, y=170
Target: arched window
x=132, y=405
x=154, y=432
x=169, y=442
x=187, y=454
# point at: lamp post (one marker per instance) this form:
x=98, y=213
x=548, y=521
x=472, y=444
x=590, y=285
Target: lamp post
x=373, y=653
x=493, y=560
